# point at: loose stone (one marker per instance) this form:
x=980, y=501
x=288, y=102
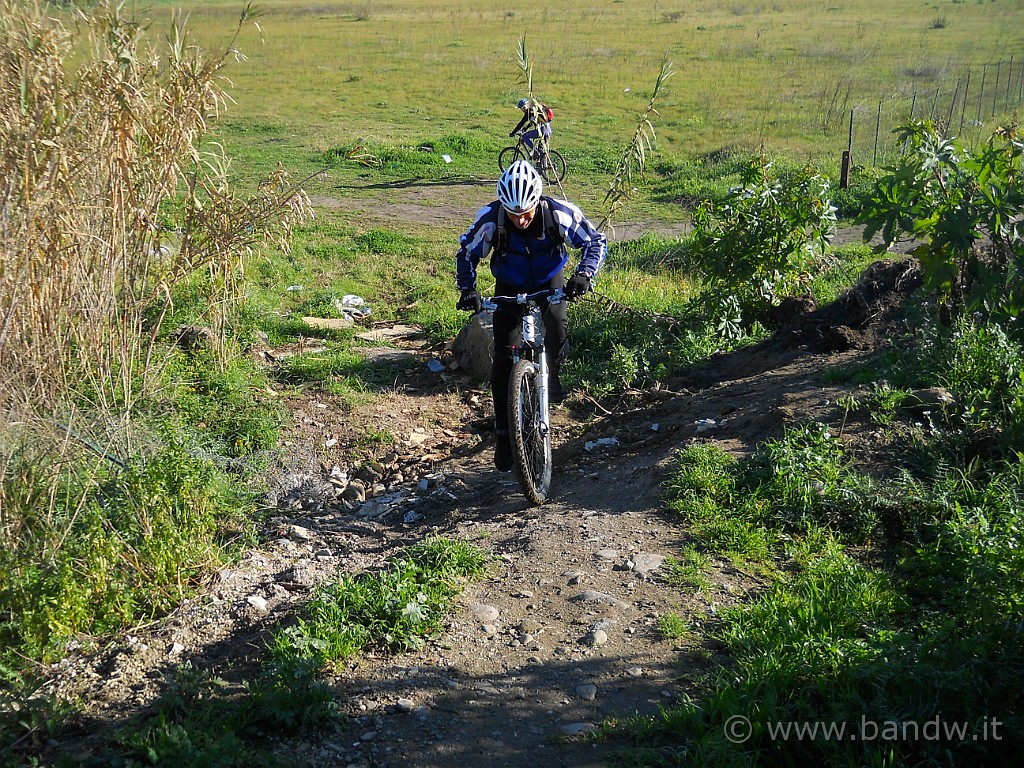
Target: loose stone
x=586, y=692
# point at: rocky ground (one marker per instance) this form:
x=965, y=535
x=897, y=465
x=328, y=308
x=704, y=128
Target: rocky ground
x=561, y=635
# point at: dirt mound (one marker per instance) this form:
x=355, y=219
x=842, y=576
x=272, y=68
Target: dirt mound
x=862, y=316
x=865, y=316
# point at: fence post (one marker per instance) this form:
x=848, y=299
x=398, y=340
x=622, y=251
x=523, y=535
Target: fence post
x=1009, y=82
x=995, y=92
x=878, y=123
x=952, y=104
x=981, y=94
x=913, y=103
x=963, y=106
x=981, y=98
x=844, y=173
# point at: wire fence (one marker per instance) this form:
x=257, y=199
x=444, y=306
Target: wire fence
x=963, y=107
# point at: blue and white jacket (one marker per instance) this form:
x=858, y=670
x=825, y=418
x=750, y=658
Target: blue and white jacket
x=533, y=256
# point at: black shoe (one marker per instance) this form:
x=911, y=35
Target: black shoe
x=503, y=454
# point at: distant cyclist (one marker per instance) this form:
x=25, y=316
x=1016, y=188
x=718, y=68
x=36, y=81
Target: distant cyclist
x=526, y=234
x=536, y=120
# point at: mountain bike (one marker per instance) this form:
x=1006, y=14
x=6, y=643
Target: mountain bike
x=548, y=162
x=528, y=420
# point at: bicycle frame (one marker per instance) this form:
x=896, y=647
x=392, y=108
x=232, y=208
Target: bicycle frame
x=547, y=161
x=533, y=458
x=541, y=147
x=532, y=332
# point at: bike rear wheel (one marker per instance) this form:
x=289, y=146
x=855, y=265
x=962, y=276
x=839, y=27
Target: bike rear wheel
x=509, y=155
x=552, y=167
x=530, y=433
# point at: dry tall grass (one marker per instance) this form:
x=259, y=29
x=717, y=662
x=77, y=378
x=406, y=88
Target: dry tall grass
x=108, y=200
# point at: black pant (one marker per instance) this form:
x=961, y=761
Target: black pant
x=507, y=325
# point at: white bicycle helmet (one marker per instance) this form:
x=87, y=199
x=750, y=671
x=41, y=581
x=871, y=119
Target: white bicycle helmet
x=522, y=103
x=520, y=187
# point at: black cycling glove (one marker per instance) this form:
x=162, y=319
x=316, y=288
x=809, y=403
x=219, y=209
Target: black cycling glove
x=578, y=284
x=470, y=301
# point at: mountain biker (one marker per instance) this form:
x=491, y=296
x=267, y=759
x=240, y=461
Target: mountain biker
x=526, y=234
x=536, y=117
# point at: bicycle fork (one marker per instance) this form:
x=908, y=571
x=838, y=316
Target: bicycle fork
x=533, y=340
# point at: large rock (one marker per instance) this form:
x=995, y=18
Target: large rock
x=473, y=348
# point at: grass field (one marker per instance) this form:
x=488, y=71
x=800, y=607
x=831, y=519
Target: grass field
x=784, y=74
x=319, y=79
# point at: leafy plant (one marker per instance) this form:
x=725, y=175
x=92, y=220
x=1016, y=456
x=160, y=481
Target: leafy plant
x=761, y=242
x=393, y=609
x=28, y=714
x=883, y=401
x=953, y=199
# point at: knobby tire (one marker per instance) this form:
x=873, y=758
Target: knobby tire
x=509, y=155
x=531, y=437
x=553, y=167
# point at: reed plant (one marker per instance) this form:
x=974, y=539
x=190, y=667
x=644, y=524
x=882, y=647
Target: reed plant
x=113, y=204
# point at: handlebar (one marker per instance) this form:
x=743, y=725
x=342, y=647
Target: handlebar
x=554, y=295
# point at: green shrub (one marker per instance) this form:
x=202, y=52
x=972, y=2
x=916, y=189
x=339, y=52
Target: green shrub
x=220, y=407
x=952, y=198
x=108, y=556
x=761, y=241
x=789, y=485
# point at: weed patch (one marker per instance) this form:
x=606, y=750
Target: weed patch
x=108, y=556
x=394, y=609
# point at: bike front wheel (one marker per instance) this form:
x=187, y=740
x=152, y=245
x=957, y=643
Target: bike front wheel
x=552, y=166
x=530, y=433
x=509, y=155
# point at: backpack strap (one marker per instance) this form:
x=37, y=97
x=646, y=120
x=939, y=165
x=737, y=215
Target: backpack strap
x=500, y=238
x=550, y=225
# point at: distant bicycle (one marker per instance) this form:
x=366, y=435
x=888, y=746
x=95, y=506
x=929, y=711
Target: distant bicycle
x=548, y=162
x=528, y=419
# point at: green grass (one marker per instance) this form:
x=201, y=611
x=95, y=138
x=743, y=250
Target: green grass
x=211, y=717
x=109, y=556
x=891, y=602
x=689, y=570
x=671, y=626
x=418, y=68
x=925, y=629
x=395, y=609
x=225, y=411
x=745, y=511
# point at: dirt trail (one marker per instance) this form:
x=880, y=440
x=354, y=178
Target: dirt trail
x=560, y=637
x=562, y=634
